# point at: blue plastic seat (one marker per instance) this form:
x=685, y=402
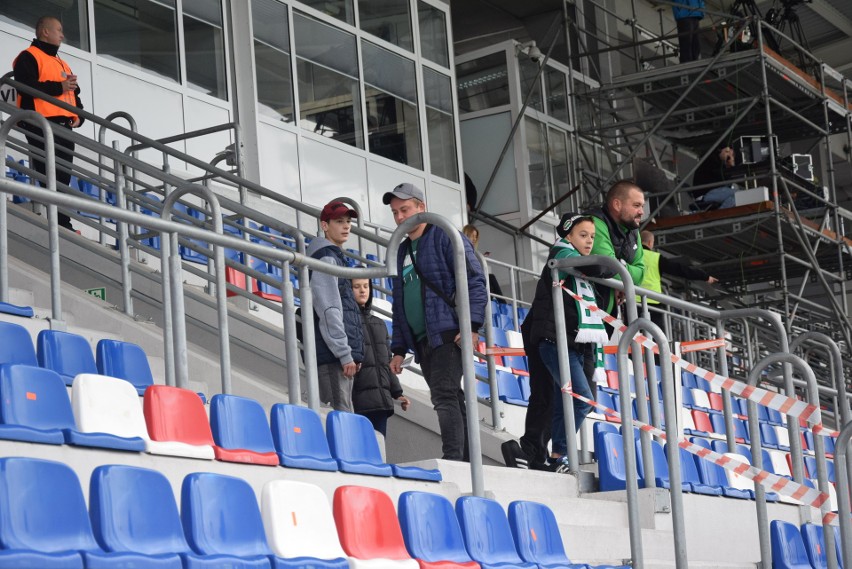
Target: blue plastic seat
x=16, y=345
x=124, y=360
x=431, y=530
x=524, y=383
x=610, y=362
x=661, y=466
x=187, y=253
x=35, y=408
x=240, y=431
x=134, y=511
x=45, y=521
x=609, y=401
x=483, y=390
x=775, y=416
x=353, y=444
x=611, y=467
x=768, y=438
x=713, y=475
x=689, y=474
x=811, y=468
x=516, y=363
x=788, y=549
x=15, y=310
x=813, y=539
x=537, y=535
x=299, y=438
x=65, y=353
x=221, y=518
x=509, y=388
x=687, y=401
x=500, y=339
x=487, y=534
x=687, y=379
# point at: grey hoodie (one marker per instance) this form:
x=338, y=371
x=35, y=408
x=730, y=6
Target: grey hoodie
x=328, y=305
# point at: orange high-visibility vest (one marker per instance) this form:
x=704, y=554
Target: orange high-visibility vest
x=51, y=68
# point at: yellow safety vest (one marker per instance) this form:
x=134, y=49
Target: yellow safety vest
x=652, y=279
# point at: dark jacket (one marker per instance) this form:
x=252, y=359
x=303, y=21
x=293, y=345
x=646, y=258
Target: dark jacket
x=540, y=323
x=375, y=385
x=435, y=261
x=26, y=72
x=349, y=311
x=711, y=171
x=614, y=240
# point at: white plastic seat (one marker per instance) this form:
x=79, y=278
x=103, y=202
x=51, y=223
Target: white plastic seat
x=700, y=397
x=688, y=422
x=735, y=480
x=382, y=304
x=514, y=339
x=779, y=462
x=783, y=436
x=103, y=404
x=299, y=521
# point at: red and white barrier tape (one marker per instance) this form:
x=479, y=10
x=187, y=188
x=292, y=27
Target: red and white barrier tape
x=786, y=405
x=771, y=482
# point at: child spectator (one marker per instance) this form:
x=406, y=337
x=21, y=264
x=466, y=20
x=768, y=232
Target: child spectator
x=375, y=387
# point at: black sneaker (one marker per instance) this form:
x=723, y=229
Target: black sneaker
x=557, y=465
x=514, y=456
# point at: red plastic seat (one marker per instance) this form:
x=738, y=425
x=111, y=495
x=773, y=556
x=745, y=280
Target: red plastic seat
x=715, y=401
x=177, y=415
x=702, y=421
x=368, y=527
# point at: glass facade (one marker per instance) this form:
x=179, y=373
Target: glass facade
x=327, y=70
x=272, y=59
x=204, y=41
x=72, y=13
x=346, y=70
x=483, y=83
x=440, y=124
x=433, y=34
x=139, y=32
x=555, y=83
x=390, y=93
x=389, y=20
x=547, y=148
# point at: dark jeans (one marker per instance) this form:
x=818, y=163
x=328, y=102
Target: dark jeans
x=579, y=384
x=64, y=151
x=379, y=419
x=442, y=369
x=688, y=39
x=538, y=419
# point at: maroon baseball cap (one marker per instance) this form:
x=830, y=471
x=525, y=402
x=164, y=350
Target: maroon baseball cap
x=336, y=210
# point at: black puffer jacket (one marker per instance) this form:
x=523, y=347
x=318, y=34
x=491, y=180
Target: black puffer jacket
x=375, y=385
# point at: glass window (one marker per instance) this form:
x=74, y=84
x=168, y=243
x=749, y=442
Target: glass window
x=340, y=9
x=433, y=34
x=139, y=32
x=72, y=13
x=483, y=83
x=557, y=96
x=272, y=59
x=440, y=125
x=528, y=79
x=390, y=90
x=204, y=44
x=327, y=69
x=388, y=20
x=558, y=146
x=537, y=150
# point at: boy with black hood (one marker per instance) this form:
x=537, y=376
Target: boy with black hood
x=339, y=334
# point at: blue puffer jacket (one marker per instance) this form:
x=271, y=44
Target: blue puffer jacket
x=435, y=261
x=695, y=9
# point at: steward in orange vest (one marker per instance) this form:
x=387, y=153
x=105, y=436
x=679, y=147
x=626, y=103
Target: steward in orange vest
x=39, y=67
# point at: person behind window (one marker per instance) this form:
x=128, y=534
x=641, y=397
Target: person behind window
x=718, y=193
x=472, y=233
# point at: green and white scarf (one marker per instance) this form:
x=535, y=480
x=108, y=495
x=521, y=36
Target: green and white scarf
x=590, y=327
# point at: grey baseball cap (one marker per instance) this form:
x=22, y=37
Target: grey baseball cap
x=404, y=191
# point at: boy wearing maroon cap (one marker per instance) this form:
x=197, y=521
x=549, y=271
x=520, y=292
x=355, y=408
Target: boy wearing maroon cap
x=337, y=317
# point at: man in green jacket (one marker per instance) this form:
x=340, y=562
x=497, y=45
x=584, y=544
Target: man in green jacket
x=617, y=236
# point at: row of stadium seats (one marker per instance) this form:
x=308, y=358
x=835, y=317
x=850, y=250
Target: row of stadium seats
x=795, y=548
x=107, y=414
x=135, y=523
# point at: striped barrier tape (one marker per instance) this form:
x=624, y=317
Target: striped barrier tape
x=786, y=405
x=771, y=482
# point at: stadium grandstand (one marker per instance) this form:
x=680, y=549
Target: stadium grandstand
x=159, y=399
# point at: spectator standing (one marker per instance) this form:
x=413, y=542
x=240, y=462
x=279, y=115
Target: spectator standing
x=584, y=330
x=713, y=173
x=656, y=265
x=688, y=15
x=376, y=387
x=339, y=332
x=41, y=68
x=424, y=314
x=617, y=236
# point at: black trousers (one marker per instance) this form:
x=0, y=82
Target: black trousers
x=64, y=151
x=688, y=39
